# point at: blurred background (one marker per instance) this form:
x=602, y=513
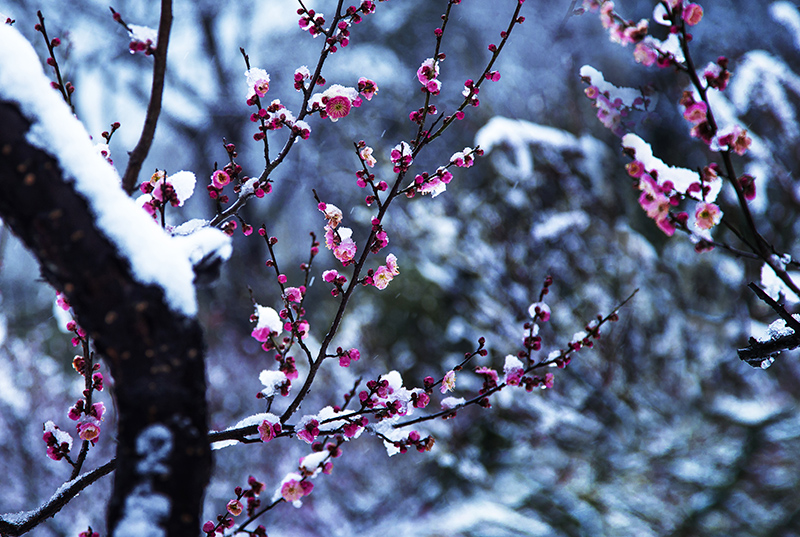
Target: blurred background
x=657, y=430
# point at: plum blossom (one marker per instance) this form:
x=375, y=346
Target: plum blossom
x=347, y=356
x=257, y=82
x=465, y=158
x=268, y=322
x=89, y=424
x=220, y=178
x=339, y=240
x=382, y=277
x=540, y=309
x=59, y=442
x=433, y=184
x=692, y=14
x=294, y=294
x=401, y=157
x=427, y=75
x=267, y=430
x=391, y=264
x=449, y=382
x=307, y=429
x=333, y=214
x=275, y=382
x=736, y=139
x=656, y=203
x=143, y=39
x=235, y=507
x=160, y=190
x=366, y=155
x=513, y=370
x=645, y=54
x=345, y=251
x=367, y=88
x=294, y=489
x=386, y=273
x=301, y=74
x=717, y=74
x=335, y=102
x=707, y=215
x=695, y=113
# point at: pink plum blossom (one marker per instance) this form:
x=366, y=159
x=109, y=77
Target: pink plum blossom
x=449, y=382
x=257, y=82
x=707, y=215
x=367, y=88
x=335, y=102
x=391, y=264
x=294, y=294
x=513, y=370
x=692, y=14
x=235, y=507
x=293, y=489
x=366, y=155
x=333, y=214
x=427, y=74
x=267, y=431
x=268, y=322
x=345, y=251
x=696, y=113
x=645, y=54
x=737, y=140
x=308, y=430
x=401, y=157
x=382, y=277
x=220, y=178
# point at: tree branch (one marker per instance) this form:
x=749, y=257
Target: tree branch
x=24, y=522
x=142, y=148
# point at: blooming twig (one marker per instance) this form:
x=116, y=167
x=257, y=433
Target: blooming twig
x=67, y=88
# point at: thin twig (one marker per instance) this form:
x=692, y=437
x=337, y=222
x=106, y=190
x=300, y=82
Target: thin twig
x=139, y=153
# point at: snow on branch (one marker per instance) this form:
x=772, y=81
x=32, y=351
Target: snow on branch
x=153, y=257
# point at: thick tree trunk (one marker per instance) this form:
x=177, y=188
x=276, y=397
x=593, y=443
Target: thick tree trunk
x=155, y=355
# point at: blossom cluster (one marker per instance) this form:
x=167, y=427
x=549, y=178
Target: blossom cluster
x=614, y=104
x=387, y=397
x=88, y=415
x=338, y=239
x=162, y=190
x=143, y=39
x=235, y=507
x=428, y=74
x=384, y=274
x=59, y=443
x=401, y=157
x=337, y=100
x=269, y=325
x=436, y=183
x=88, y=419
x=659, y=194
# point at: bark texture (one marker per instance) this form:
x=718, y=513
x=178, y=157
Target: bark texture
x=156, y=356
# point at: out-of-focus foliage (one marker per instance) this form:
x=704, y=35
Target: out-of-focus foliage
x=658, y=430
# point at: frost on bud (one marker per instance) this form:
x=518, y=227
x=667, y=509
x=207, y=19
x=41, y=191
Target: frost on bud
x=268, y=322
x=540, y=310
x=59, y=443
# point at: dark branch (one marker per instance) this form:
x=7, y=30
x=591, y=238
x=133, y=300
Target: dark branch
x=142, y=148
x=71, y=489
